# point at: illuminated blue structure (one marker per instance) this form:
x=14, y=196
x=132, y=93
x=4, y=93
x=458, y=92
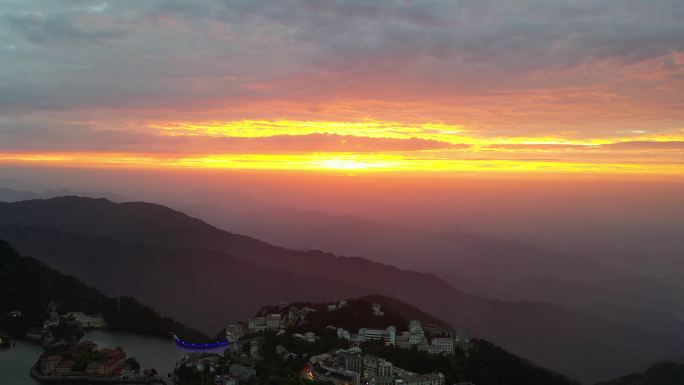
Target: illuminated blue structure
x=208, y=345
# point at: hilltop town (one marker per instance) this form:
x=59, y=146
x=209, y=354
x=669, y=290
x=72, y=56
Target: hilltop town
x=295, y=342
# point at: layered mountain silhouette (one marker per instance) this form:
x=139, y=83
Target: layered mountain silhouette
x=206, y=277
x=662, y=373
x=487, y=266
x=28, y=285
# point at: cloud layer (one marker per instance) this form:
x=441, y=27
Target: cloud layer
x=102, y=74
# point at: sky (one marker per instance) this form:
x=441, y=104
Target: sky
x=435, y=86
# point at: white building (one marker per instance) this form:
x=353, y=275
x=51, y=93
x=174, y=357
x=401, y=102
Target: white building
x=88, y=321
x=256, y=324
x=388, y=335
x=343, y=334
x=269, y=322
x=376, y=367
x=416, y=332
x=273, y=321
x=442, y=345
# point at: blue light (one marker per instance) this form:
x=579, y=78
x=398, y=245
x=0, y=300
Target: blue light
x=210, y=345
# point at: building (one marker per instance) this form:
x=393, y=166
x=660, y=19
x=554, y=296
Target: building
x=416, y=332
x=108, y=366
x=376, y=367
x=64, y=367
x=88, y=321
x=269, y=322
x=334, y=375
x=346, y=366
x=53, y=320
x=377, y=310
x=441, y=345
x=273, y=321
x=352, y=362
x=48, y=363
x=387, y=335
x=234, y=332
x=255, y=349
x=343, y=334
x=409, y=378
x=55, y=365
x=308, y=336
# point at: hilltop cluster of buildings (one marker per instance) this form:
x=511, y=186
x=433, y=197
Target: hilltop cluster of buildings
x=351, y=367
x=346, y=366
x=55, y=319
x=434, y=341
x=289, y=316
x=441, y=342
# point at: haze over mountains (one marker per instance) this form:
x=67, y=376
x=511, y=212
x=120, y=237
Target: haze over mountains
x=491, y=267
x=28, y=284
x=206, y=277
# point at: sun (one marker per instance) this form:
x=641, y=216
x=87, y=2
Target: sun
x=352, y=164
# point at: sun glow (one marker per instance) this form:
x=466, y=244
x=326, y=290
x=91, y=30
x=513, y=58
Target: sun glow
x=376, y=146
x=335, y=162
x=352, y=164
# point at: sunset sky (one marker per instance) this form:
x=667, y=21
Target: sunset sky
x=452, y=86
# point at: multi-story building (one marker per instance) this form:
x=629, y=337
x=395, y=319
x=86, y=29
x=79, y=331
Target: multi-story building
x=387, y=335
x=234, y=332
x=64, y=367
x=49, y=363
x=409, y=378
x=416, y=332
x=87, y=321
x=335, y=375
x=338, y=367
x=269, y=322
x=350, y=361
x=376, y=367
x=113, y=361
x=441, y=345
x=377, y=310
x=273, y=321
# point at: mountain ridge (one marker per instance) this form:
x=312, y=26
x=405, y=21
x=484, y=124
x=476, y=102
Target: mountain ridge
x=583, y=346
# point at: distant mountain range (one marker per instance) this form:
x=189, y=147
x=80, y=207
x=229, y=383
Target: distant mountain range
x=207, y=277
x=486, y=266
x=663, y=373
x=13, y=195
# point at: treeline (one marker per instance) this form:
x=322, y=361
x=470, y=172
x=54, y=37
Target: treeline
x=28, y=285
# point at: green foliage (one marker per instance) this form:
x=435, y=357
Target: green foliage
x=133, y=364
x=191, y=376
